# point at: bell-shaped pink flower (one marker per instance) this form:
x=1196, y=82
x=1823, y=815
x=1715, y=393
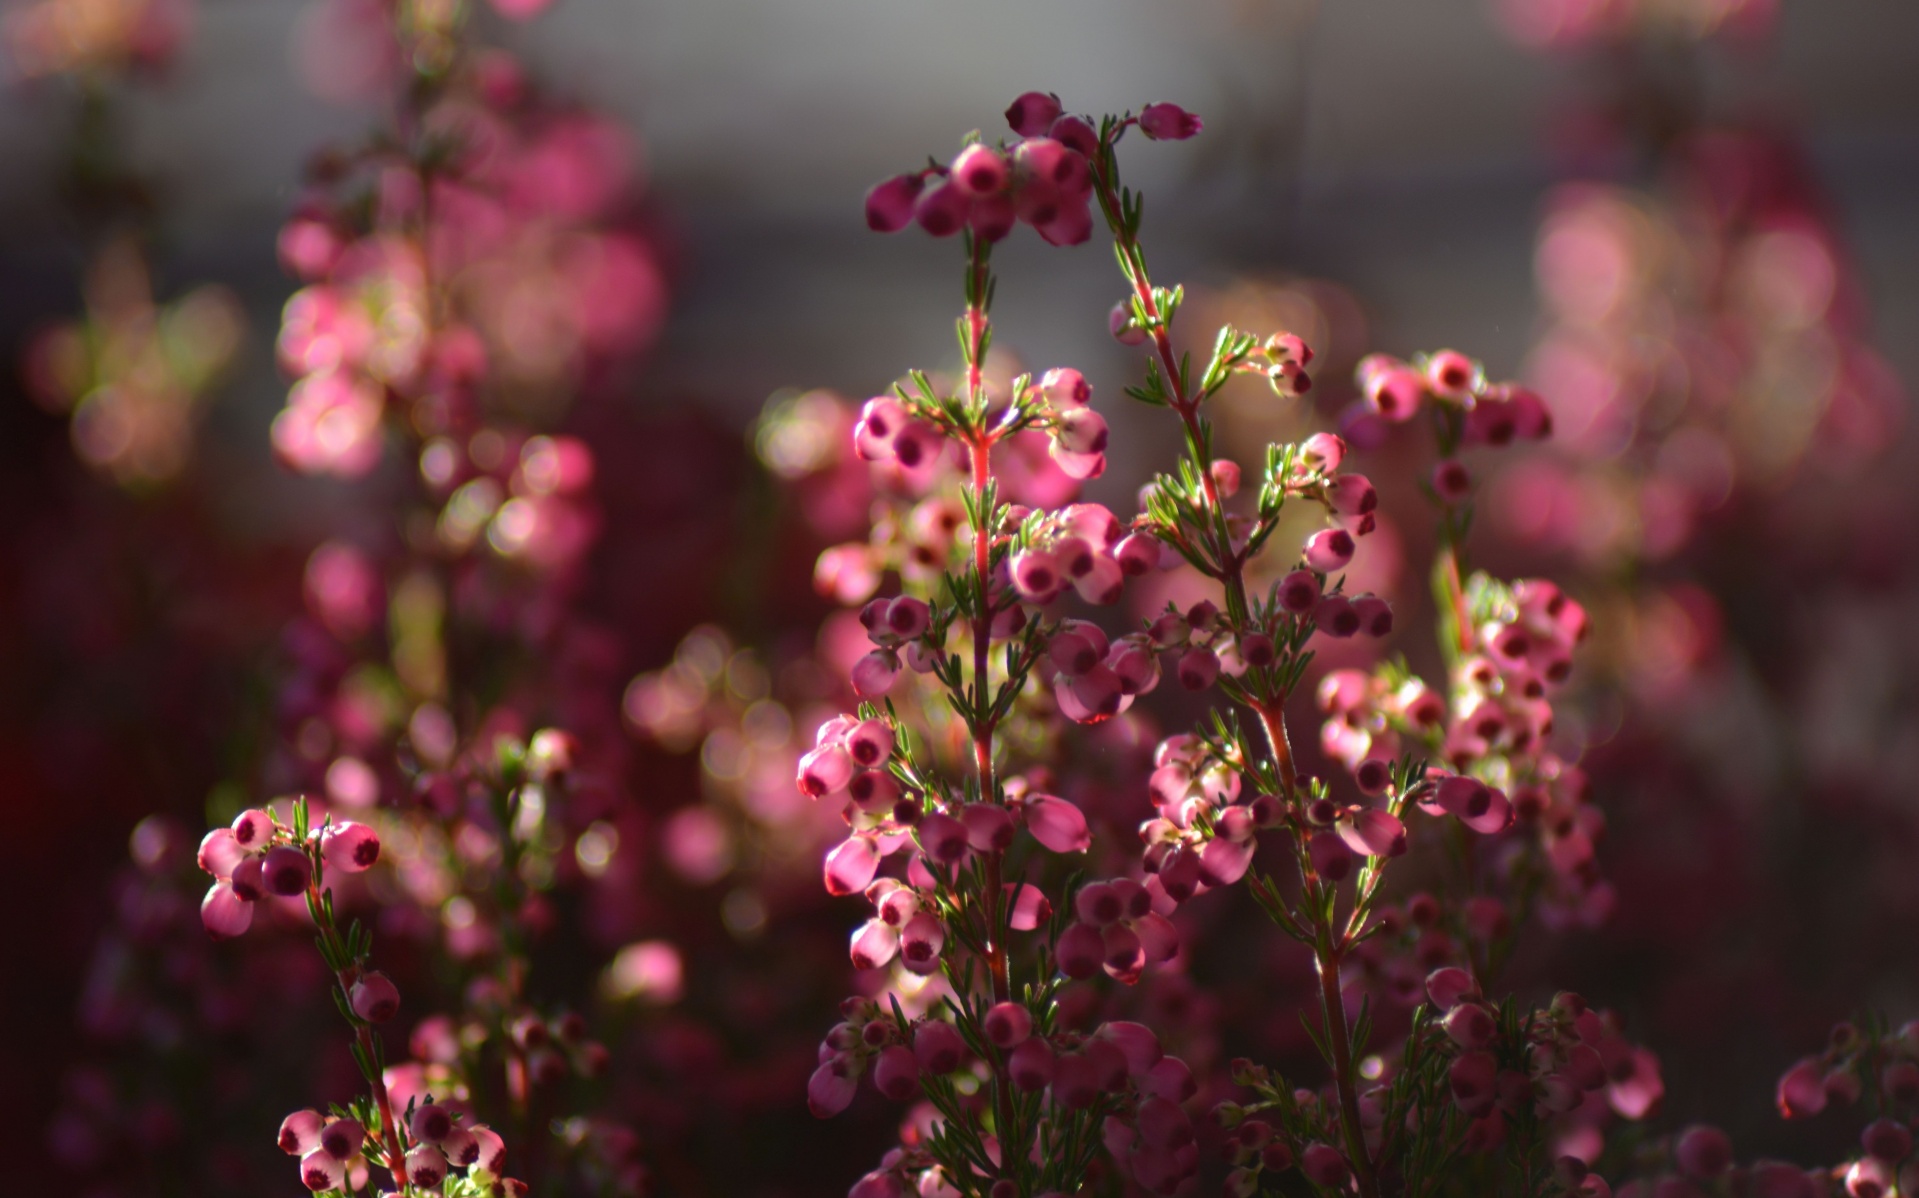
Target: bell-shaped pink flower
x=1057, y=824
x=350, y=847
x=1033, y=113
x=1328, y=550
x=896, y=1072
x=220, y=853
x=225, y=914
x=851, y=865
x=1168, y=122
x=1007, y=1024
x=374, y=998
x=1472, y=1076
x=1081, y=951
x=319, y=1171
x=874, y=943
x=980, y=170
x=300, y=1132
x=830, y=1090
x=889, y=206
x=1030, y=1065
x=922, y=938
x=938, y=1046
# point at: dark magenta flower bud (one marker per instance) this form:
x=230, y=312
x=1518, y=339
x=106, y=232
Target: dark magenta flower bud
x=1168, y=122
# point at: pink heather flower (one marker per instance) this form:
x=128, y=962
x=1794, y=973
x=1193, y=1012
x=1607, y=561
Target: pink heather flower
x=1081, y=951
x=1328, y=550
x=492, y=1156
x=1198, y=668
x=1372, y=832
x=992, y=217
x=881, y=420
x=1299, y=592
x=1033, y=113
x=1168, y=122
x=1137, y=554
x=1802, y=1091
x=1074, y=651
x=220, y=852
x=908, y=617
x=1226, y=475
x=425, y=1167
x=1120, y=323
x=874, y=674
x=1471, y=1026
x=1090, y=697
x=1323, y=1165
x=286, y=871
x=1330, y=857
x=1449, y=986
x=1051, y=174
x=1472, y=1077
x=461, y=1147
x=431, y=1122
x=1075, y=134
x=1081, y=431
x=875, y=942
x=1028, y=909
x=1036, y=576
x=1336, y=617
x=1703, y=1152
x=1057, y=824
x=1532, y=419
x=1451, y=481
x=939, y=1046
x=1256, y=649
x=1887, y=1139
x=1098, y=904
x=1031, y=1064
x=300, y=1132
x=989, y=827
x=349, y=847
x=223, y=913
x=341, y=1139
x=851, y=865
x=889, y=206
x=825, y=769
x=1179, y=874
x=252, y=830
x=980, y=170
x=1352, y=495
x=1869, y=1178
x=1071, y=224
x=1007, y=1024
x=1065, y=388
x=1395, y=393
x=1223, y=862
x=1322, y=452
x=1375, y=615
x=318, y=1171
x=249, y=879
x=1451, y=374
x=870, y=744
x=374, y=998
x=1102, y=583
x=942, y=837
x=896, y=1072
x=942, y=210
x=830, y=1090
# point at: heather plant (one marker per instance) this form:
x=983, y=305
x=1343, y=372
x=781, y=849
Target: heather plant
x=945, y=776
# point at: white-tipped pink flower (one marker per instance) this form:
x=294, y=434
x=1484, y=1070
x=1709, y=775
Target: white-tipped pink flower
x=922, y=939
x=1007, y=1024
x=300, y=1132
x=252, y=830
x=319, y=1171
x=980, y=170
x=896, y=1072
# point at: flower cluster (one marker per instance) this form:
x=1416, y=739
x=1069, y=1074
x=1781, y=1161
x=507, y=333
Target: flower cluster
x=936, y=806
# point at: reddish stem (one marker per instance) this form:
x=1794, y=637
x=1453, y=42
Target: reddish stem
x=395, y=1153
